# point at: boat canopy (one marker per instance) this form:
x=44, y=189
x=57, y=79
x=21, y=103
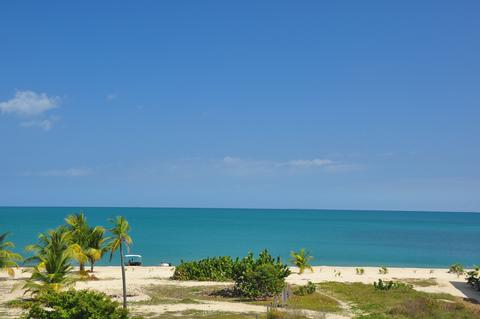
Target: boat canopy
x=133, y=256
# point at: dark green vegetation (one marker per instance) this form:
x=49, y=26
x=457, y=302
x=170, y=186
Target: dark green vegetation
x=401, y=303
x=74, y=304
x=255, y=278
x=387, y=285
x=457, y=269
x=208, y=269
x=308, y=289
x=8, y=259
x=473, y=277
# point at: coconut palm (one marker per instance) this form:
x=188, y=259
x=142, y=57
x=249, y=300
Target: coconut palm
x=120, y=240
x=79, y=232
x=8, y=259
x=302, y=259
x=97, y=245
x=53, y=254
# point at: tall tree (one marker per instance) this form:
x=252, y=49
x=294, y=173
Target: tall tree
x=120, y=239
x=8, y=259
x=79, y=231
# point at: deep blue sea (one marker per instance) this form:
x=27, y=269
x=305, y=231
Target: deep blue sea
x=350, y=238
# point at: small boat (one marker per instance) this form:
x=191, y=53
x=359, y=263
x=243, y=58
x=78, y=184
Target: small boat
x=133, y=260
x=165, y=264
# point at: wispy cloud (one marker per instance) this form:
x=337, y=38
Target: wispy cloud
x=111, y=96
x=241, y=166
x=69, y=172
x=33, y=108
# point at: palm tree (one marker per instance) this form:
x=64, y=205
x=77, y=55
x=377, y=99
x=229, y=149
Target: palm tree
x=8, y=259
x=120, y=238
x=53, y=254
x=97, y=245
x=79, y=231
x=302, y=259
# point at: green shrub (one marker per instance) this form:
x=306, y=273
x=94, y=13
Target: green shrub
x=473, y=277
x=387, y=285
x=456, y=269
x=360, y=271
x=383, y=270
x=308, y=289
x=74, y=304
x=213, y=269
x=259, y=278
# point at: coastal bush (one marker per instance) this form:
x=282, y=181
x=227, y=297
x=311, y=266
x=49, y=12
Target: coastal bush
x=360, y=271
x=473, y=277
x=260, y=278
x=308, y=289
x=387, y=285
x=74, y=304
x=456, y=269
x=383, y=270
x=209, y=269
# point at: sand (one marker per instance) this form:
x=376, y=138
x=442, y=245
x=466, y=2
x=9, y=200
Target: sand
x=140, y=277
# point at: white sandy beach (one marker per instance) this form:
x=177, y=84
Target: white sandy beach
x=138, y=278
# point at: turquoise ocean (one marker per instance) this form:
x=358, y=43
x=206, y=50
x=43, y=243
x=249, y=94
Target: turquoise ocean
x=334, y=237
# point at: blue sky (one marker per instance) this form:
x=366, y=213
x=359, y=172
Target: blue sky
x=311, y=104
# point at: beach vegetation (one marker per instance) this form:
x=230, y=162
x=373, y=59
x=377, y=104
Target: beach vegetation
x=473, y=277
x=120, y=240
x=8, y=259
x=307, y=289
x=208, y=269
x=274, y=313
x=420, y=282
x=400, y=303
x=260, y=278
x=90, y=241
x=456, y=269
x=74, y=304
x=52, y=253
x=387, y=285
x=301, y=259
x=383, y=270
x=360, y=271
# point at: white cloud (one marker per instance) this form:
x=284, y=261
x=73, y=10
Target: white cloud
x=316, y=162
x=29, y=103
x=70, y=172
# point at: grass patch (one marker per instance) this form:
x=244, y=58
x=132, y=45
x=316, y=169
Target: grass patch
x=400, y=303
x=193, y=314
x=419, y=282
x=316, y=301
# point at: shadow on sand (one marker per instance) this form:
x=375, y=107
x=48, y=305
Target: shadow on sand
x=473, y=295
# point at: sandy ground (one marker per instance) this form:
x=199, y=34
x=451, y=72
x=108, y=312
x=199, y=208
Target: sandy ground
x=140, y=277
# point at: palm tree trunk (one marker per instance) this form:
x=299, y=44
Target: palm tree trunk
x=82, y=267
x=91, y=265
x=124, y=283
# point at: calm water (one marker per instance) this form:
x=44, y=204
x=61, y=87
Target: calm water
x=421, y=239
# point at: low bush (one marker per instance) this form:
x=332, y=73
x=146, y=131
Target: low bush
x=387, y=285
x=473, y=277
x=208, y=269
x=383, y=270
x=360, y=271
x=255, y=278
x=308, y=289
x=456, y=269
x=74, y=304
x=260, y=278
